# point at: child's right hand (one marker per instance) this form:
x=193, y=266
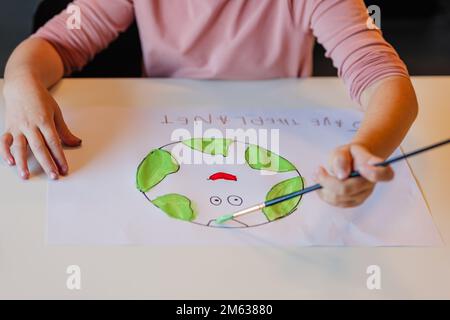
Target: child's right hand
x=34, y=119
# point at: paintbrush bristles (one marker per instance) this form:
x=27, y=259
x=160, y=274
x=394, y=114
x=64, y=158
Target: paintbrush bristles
x=228, y=217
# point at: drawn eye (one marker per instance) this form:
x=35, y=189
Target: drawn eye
x=215, y=200
x=234, y=200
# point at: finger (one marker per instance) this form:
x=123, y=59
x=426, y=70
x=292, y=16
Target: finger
x=376, y=174
x=341, y=163
x=362, y=197
x=5, y=148
x=337, y=198
x=356, y=200
x=327, y=181
x=360, y=155
x=42, y=154
x=348, y=187
x=20, y=152
x=67, y=137
x=345, y=201
x=55, y=147
x=334, y=199
x=349, y=204
x=353, y=186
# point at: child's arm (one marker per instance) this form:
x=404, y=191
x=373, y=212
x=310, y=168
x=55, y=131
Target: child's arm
x=32, y=116
x=377, y=79
x=390, y=109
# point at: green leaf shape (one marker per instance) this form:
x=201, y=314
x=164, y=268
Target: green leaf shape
x=154, y=168
x=175, y=206
x=212, y=146
x=284, y=208
x=262, y=159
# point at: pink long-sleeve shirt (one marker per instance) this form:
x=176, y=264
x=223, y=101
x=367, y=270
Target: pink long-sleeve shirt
x=232, y=39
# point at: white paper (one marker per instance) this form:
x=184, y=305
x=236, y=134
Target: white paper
x=98, y=203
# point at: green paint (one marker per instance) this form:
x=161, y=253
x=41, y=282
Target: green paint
x=261, y=159
x=224, y=218
x=175, y=206
x=284, y=208
x=154, y=168
x=212, y=146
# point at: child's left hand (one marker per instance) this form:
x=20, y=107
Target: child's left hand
x=342, y=192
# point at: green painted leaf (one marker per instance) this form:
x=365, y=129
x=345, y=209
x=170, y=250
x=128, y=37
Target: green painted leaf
x=212, y=146
x=262, y=159
x=175, y=206
x=284, y=208
x=154, y=168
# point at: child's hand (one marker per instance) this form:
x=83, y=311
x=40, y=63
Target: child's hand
x=342, y=192
x=34, y=119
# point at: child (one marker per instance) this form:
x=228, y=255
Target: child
x=220, y=39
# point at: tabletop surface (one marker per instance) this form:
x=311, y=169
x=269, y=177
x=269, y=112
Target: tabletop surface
x=31, y=269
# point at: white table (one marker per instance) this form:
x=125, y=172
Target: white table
x=31, y=269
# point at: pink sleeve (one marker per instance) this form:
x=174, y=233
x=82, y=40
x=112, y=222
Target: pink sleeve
x=360, y=54
x=101, y=23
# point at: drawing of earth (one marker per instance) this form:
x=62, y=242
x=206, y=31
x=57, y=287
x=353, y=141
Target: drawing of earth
x=198, y=180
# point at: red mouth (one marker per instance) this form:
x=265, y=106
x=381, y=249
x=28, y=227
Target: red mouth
x=222, y=176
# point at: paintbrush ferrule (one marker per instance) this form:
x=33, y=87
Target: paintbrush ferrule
x=249, y=210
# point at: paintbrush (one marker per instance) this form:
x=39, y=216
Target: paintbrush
x=315, y=187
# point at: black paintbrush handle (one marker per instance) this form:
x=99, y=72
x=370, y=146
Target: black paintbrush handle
x=355, y=174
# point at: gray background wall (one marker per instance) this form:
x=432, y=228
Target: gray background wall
x=419, y=31
x=15, y=24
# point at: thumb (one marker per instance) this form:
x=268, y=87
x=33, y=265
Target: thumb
x=341, y=162
x=362, y=156
x=67, y=137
